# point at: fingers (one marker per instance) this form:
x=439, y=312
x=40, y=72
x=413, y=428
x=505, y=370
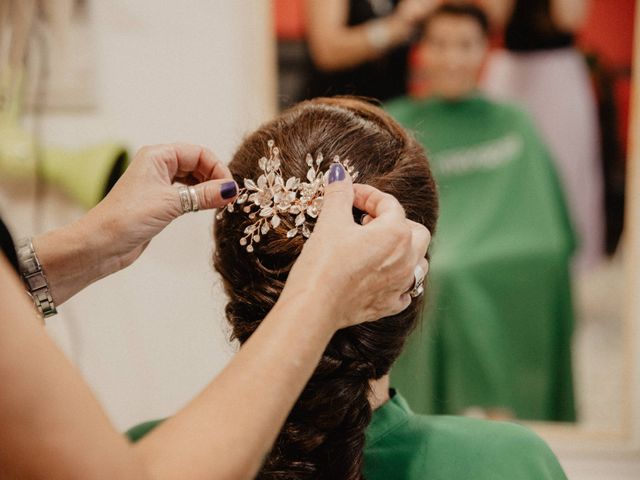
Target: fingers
x=420, y=239
x=200, y=161
x=421, y=236
x=215, y=193
x=424, y=265
x=404, y=300
x=183, y=160
x=338, y=196
x=398, y=306
x=377, y=204
x=410, y=283
x=197, y=166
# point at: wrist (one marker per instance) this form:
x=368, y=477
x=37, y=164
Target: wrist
x=379, y=34
x=72, y=257
x=99, y=241
x=399, y=29
x=34, y=278
x=311, y=310
x=321, y=301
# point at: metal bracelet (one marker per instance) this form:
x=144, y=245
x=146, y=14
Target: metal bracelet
x=378, y=35
x=34, y=278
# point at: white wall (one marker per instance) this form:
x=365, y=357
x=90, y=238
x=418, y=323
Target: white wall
x=148, y=338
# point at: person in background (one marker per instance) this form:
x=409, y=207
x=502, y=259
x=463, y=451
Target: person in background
x=361, y=47
x=542, y=69
x=499, y=317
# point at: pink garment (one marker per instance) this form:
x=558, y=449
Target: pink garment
x=554, y=86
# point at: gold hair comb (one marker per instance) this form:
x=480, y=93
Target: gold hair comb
x=270, y=199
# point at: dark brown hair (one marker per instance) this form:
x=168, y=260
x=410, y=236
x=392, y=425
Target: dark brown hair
x=323, y=437
x=462, y=10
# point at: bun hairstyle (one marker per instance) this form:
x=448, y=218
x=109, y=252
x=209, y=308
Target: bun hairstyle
x=323, y=437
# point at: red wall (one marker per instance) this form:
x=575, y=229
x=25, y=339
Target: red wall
x=609, y=30
x=608, y=33
x=289, y=19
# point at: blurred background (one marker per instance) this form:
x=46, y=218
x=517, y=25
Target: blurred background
x=85, y=83
x=150, y=337
x=572, y=76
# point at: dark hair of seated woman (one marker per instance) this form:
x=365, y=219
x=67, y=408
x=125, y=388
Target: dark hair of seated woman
x=324, y=435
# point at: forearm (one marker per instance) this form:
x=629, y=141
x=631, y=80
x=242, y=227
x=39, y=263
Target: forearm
x=239, y=415
x=73, y=257
x=498, y=11
x=352, y=46
x=335, y=46
x=569, y=15
x=225, y=432
x=52, y=425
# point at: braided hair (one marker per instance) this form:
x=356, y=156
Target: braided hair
x=324, y=435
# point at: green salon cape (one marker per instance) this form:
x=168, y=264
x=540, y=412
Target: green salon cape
x=498, y=321
x=404, y=446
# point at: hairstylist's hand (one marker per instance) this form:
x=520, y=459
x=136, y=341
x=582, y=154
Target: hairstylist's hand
x=145, y=200
x=366, y=271
x=142, y=203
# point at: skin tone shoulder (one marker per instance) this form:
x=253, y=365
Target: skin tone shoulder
x=54, y=427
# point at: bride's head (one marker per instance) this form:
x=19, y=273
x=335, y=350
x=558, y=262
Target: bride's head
x=324, y=434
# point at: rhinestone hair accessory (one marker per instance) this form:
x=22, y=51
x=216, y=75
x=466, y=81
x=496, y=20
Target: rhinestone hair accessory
x=270, y=200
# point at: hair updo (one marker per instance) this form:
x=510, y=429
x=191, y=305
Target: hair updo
x=323, y=437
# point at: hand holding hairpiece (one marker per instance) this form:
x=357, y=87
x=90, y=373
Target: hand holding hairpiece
x=270, y=199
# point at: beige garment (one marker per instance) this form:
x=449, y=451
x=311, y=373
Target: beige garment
x=554, y=86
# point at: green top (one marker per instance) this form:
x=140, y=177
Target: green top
x=497, y=331
x=403, y=445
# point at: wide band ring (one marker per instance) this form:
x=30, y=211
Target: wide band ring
x=418, y=282
x=195, y=205
x=185, y=199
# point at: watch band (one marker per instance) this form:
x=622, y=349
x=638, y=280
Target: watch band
x=34, y=278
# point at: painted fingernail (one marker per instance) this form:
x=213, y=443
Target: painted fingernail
x=336, y=172
x=228, y=190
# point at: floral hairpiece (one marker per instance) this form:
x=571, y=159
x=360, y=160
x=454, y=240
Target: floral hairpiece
x=270, y=199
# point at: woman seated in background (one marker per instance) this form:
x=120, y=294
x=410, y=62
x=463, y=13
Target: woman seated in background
x=348, y=424
x=500, y=318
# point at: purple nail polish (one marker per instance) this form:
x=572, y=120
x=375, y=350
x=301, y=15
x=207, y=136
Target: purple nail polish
x=228, y=190
x=336, y=172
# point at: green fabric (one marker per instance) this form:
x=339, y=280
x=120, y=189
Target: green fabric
x=498, y=322
x=403, y=445
x=139, y=431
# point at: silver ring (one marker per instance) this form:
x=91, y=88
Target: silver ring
x=195, y=206
x=418, y=282
x=185, y=199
